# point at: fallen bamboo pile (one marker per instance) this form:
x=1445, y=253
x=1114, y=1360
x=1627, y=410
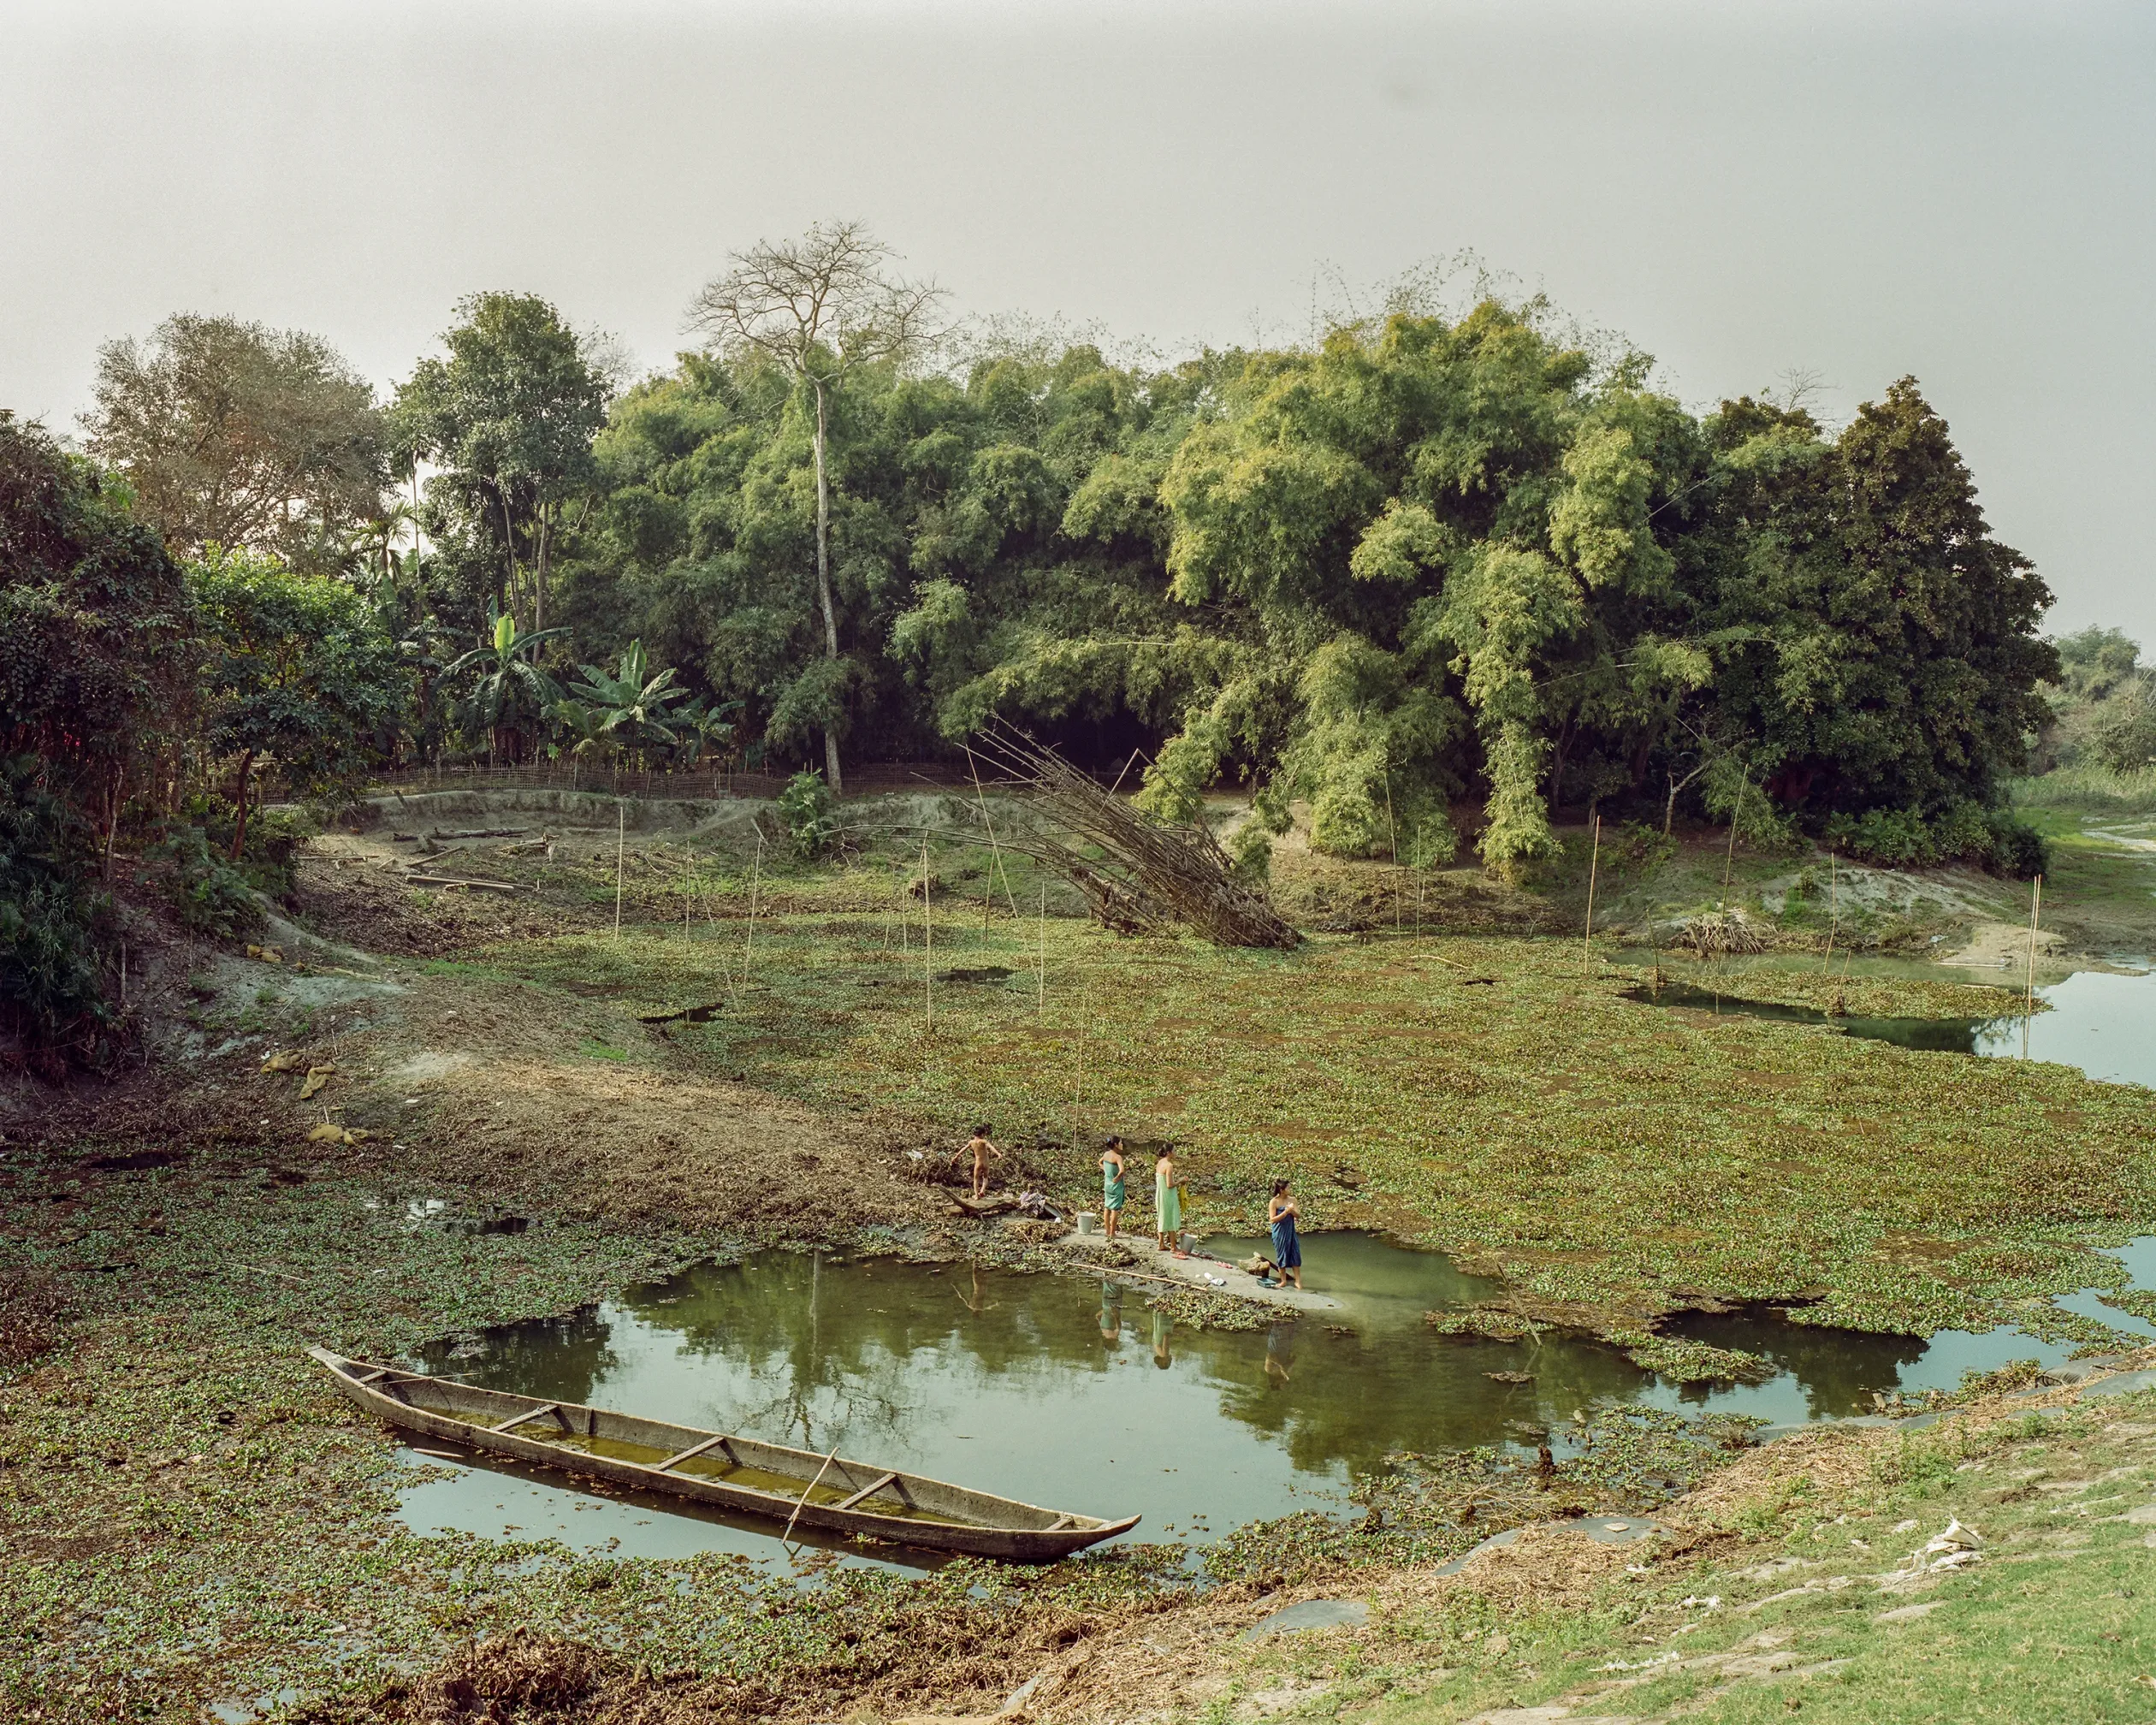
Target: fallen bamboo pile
x=1145, y=875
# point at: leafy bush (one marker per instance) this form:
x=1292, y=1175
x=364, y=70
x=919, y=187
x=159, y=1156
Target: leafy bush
x=1993, y=838
x=809, y=812
x=1250, y=853
x=207, y=892
x=2124, y=737
x=51, y=989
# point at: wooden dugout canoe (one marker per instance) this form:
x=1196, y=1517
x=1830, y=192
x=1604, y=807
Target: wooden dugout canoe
x=742, y=1474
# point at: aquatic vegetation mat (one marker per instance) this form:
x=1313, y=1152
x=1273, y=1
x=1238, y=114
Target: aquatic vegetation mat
x=1482, y=1096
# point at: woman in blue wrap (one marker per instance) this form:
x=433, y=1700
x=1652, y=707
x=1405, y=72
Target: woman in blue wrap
x=1280, y=1215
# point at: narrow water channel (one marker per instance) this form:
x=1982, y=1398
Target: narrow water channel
x=1076, y=1396
x=2102, y=1023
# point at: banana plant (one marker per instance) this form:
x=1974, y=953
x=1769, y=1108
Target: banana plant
x=703, y=728
x=510, y=683
x=637, y=708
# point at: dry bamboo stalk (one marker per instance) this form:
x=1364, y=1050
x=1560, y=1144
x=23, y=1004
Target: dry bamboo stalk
x=927, y=943
x=755, y=879
x=1587, y=942
x=2029, y=1001
x=621, y=850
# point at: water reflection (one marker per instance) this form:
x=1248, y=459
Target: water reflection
x=1060, y=1392
x=1933, y=1035
x=2102, y=1023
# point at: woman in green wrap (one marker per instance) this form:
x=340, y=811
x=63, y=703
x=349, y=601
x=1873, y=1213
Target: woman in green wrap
x=1167, y=1203
x=1112, y=1184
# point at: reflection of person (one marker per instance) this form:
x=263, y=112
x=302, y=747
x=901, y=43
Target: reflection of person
x=981, y=1149
x=1280, y=1352
x=1280, y=1216
x=1162, y=1326
x=1110, y=1313
x=1167, y=1203
x=1111, y=1186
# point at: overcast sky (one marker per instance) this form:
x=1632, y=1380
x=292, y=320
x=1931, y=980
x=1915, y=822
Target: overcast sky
x=1959, y=192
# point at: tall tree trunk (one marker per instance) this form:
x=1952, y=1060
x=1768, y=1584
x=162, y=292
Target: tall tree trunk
x=240, y=828
x=539, y=575
x=823, y=587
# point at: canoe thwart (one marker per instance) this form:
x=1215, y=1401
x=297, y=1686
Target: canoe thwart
x=693, y=1449
x=538, y=1412
x=868, y=1491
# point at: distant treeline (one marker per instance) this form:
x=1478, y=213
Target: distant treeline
x=1431, y=565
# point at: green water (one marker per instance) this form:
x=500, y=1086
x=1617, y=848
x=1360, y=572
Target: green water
x=1071, y=1393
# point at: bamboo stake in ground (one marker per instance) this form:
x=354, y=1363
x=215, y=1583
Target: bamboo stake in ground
x=755, y=879
x=1041, y=974
x=1729, y=862
x=687, y=934
x=1834, y=911
x=1594, y=865
x=2029, y=1001
x=621, y=849
x=927, y=945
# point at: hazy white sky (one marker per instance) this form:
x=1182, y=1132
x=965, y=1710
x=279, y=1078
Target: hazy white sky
x=1960, y=192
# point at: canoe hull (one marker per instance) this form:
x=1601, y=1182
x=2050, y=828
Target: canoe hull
x=992, y=1526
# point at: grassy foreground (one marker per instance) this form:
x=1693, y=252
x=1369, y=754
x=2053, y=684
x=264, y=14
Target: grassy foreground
x=1799, y=1596
x=1497, y=1098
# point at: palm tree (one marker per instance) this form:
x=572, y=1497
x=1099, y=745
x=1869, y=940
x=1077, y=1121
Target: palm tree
x=510, y=682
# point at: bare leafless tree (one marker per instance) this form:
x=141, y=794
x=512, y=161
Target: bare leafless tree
x=820, y=306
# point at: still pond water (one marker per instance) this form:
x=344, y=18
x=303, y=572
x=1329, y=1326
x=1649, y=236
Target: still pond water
x=2102, y=1023
x=1047, y=1389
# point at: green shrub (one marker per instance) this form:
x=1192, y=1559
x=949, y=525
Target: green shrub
x=1993, y=839
x=2123, y=739
x=1250, y=851
x=207, y=892
x=51, y=985
x=809, y=812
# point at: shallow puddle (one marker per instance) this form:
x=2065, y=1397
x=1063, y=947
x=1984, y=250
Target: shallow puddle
x=1077, y=1397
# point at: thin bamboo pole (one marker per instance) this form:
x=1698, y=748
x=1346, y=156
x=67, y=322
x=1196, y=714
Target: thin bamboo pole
x=1833, y=910
x=756, y=880
x=1594, y=867
x=1729, y=862
x=2029, y=999
x=788, y=1535
x=995, y=849
x=927, y=943
x=621, y=851
x=687, y=934
x=1041, y=971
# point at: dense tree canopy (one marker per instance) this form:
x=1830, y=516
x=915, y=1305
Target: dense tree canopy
x=1427, y=560
x=236, y=434
x=508, y=418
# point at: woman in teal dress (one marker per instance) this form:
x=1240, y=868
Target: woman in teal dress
x=1167, y=1203
x=1111, y=1185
